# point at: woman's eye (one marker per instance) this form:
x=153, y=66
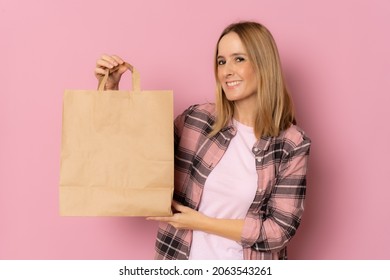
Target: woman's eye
x=221, y=62
x=240, y=59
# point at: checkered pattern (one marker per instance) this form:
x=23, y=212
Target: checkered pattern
x=276, y=211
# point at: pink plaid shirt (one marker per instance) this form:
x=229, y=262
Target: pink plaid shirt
x=276, y=210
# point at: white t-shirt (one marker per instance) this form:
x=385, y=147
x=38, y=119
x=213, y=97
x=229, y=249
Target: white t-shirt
x=228, y=193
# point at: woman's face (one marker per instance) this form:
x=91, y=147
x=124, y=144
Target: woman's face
x=235, y=72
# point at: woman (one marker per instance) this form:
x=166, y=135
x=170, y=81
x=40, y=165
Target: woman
x=240, y=164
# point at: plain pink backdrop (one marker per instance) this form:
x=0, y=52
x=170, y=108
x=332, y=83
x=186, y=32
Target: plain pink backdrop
x=336, y=60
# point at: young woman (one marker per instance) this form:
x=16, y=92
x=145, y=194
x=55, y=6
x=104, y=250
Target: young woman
x=240, y=164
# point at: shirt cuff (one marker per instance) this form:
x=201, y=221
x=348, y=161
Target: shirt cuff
x=251, y=230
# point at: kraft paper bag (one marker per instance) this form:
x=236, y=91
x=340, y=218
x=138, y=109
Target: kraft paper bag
x=117, y=152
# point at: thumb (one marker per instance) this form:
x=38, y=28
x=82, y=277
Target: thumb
x=122, y=68
x=179, y=207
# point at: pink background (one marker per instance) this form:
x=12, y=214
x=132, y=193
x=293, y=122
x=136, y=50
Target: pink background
x=336, y=59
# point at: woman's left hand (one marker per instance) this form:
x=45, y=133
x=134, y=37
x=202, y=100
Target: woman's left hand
x=183, y=218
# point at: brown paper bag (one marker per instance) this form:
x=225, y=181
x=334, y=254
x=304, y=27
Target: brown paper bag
x=117, y=152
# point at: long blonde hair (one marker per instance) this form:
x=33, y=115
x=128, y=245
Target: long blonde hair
x=275, y=107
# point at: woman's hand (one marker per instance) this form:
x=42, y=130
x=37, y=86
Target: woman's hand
x=183, y=218
x=187, y=218
x=109, y=62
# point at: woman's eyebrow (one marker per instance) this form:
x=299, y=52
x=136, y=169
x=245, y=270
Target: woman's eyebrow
x=233, y=54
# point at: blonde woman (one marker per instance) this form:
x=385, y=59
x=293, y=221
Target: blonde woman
x=240, y=164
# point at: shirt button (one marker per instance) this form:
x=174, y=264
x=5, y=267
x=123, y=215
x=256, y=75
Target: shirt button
x=255, y=149
x=258, y=159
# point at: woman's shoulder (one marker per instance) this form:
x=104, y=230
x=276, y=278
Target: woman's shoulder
x=205, y=109
x=196, y=116
x=294, y=135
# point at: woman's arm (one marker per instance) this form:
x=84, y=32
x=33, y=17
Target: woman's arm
x=284, y=209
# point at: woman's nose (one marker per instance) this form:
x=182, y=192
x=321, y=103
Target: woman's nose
x=228, y=70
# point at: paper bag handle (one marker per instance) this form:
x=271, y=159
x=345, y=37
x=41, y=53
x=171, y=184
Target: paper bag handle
x=135, y=77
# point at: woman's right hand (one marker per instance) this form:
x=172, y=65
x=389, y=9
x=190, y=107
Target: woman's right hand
x=108, y=62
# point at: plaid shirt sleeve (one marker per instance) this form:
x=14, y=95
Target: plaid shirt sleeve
x=273, y=221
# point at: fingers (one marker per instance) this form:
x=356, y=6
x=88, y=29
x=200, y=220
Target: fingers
x=107, y=62
x=179, y=207
x=99, y=71
x=172, y=220
x=176, y=217
x=117, y=59
x=160, y=219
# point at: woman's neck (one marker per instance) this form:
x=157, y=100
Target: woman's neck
x=244, y=113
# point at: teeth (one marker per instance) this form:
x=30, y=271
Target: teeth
x=231, y=84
